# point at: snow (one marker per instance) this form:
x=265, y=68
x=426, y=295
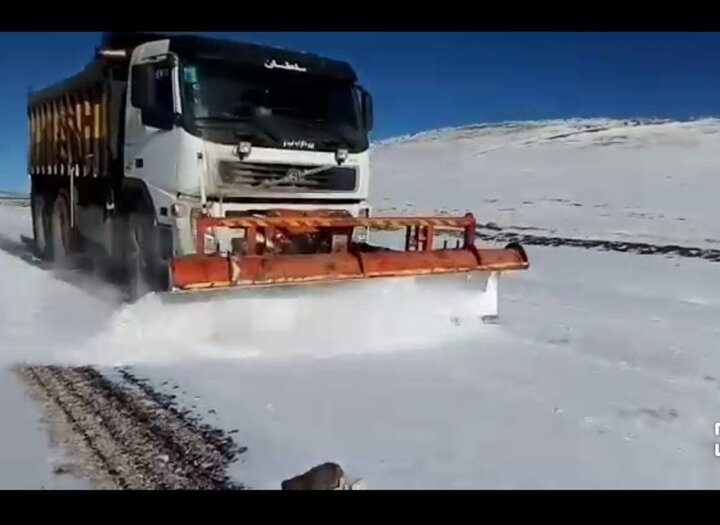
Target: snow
x=26, y=459
x=602, y=373
x=32, y=322
x=584, y=384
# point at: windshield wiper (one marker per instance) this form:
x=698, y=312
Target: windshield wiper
x=220, y=118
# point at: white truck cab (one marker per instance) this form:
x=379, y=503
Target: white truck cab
x=230, y=128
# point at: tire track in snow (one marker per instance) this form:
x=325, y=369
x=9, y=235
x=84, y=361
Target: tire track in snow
x=640, y=248
x=47, y=385
x=125, y=435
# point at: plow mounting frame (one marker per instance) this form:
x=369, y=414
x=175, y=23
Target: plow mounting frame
x=258, y=259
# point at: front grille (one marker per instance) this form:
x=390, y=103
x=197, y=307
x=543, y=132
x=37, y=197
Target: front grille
x=287, y=177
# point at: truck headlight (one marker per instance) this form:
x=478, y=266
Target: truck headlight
x=341, y=155
x=243, y=149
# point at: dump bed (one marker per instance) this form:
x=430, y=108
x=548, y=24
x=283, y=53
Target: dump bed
x=75, y=125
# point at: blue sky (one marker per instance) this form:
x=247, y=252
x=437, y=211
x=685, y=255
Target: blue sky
x=427, y=80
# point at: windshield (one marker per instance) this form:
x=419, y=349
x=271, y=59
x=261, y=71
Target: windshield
x=214, y=89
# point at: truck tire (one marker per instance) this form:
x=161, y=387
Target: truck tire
x=143, y=265
x=61, y=230
x=41, y=226
x=135, y=267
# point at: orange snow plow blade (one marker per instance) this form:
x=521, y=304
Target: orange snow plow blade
x=294, y=247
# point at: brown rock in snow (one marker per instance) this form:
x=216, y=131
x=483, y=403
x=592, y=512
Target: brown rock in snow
x=328, y=476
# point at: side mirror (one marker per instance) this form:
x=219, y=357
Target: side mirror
x=143, y=86
x=367, y=107
x=152, y=94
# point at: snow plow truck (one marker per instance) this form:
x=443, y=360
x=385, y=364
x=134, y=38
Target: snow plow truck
x=193, y=164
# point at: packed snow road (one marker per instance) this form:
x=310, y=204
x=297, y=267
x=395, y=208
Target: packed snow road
x=602, y=373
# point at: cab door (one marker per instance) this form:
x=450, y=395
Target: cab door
x=152, y=137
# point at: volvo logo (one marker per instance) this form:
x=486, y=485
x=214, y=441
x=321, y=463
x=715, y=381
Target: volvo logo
x=294, y=175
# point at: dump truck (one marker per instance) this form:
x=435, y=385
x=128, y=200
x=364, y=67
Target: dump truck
x=191, y=164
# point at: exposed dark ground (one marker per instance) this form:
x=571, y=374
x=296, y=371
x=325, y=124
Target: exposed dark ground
x=125, y=435
x=641, y=248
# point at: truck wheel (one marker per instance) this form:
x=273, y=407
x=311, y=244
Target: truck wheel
x=61, y=229
x=41, y=226
x=145, y=269
x=135, y=260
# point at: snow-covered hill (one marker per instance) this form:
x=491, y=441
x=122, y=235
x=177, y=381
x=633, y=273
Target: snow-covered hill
x=14, y=199
x=602, y=373
x=652, y=181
